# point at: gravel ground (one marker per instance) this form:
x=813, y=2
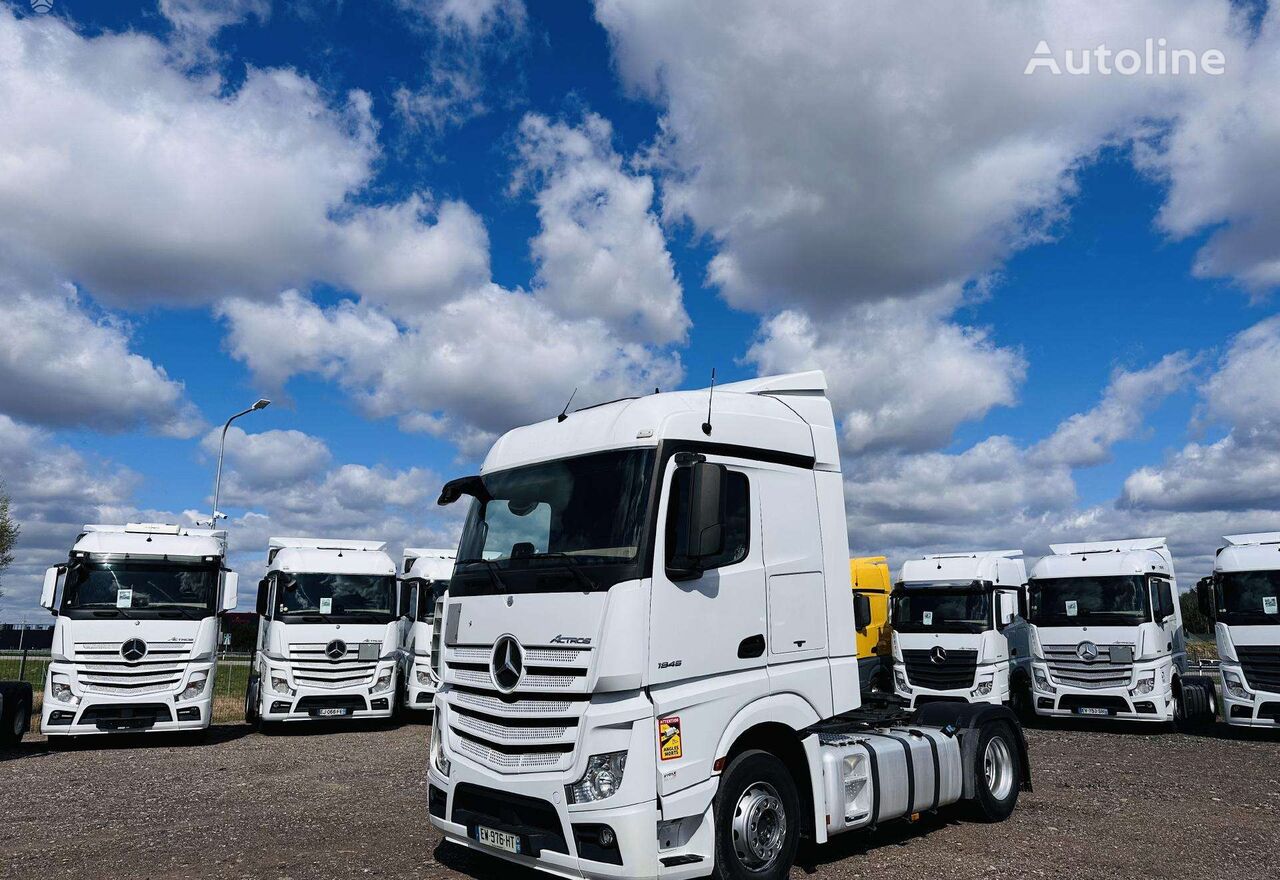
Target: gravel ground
x=351, y=802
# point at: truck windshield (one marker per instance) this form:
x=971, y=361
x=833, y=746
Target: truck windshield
x=1090, y=601
x=571, y=524
x=364, y=596
x=1248, y=598
x=949, y=610
x=140, y=589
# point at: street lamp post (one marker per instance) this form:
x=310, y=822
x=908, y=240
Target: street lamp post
x=263, y=403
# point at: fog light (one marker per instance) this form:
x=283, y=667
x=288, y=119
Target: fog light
x=607, y=839
x=1144, y=685
x=1041, y=676
x=601, y=779
x=194, y=688
x=1235, y=687
x=383, y=683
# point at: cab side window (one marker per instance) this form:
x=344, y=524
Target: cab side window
x=735, y=500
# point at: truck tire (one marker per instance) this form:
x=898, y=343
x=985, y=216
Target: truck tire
x=1021, y=701
x=17, y=718
x=251, y=696
x=1195, y=706
x=757, y=816
x=997, y=773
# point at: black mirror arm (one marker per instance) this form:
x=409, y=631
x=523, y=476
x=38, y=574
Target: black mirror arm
x=455, y=489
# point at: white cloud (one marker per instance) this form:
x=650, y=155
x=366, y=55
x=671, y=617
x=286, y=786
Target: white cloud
x=838, y=151
x=900, y=376
x=1245, y=389
x=474, y=18
x=61, y=366
x=599, y=250
x=201, y=19
x=269, y=458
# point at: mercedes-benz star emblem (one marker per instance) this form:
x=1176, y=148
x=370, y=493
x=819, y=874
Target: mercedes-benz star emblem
x=507, y=665
x=938, y=654
x=1087, y=651
x=336, y=650
x=133, y=650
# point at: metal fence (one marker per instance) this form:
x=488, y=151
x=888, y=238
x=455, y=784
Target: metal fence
x=228, y=686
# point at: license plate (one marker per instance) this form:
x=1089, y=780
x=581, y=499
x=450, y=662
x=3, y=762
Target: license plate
x=1090, y=710
x=330, y=713
x=498, y=839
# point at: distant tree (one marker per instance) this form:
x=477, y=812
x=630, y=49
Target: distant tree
x=8, y=535
x=1192, y=619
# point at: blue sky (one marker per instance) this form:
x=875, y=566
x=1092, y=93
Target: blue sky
x=1043, y=305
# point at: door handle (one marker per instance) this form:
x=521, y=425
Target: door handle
x=751, y=646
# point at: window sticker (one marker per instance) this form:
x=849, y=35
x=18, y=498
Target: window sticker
x=326, y=606
x=1269, y=605
x=1072, y=608
x=928, y=618
x=124, y=598
x=669, y=738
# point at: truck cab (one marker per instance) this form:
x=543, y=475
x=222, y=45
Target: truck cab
x=1107, y=635
x=959, y=629
x=869, y=576
x=1241, y=599
x=328, y=632
x=423, y=586
x=649, y=661
x=138, y=610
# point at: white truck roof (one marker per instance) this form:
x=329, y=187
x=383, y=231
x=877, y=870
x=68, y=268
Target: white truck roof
x=151, y=539
x=1258, y=551
x=330, y=556
x=430, y=564
x=1000, y=567
x=1106, y=559
x=750, y=414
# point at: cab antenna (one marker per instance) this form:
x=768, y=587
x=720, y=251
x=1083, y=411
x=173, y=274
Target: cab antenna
x=564, y=413
x=706, y=426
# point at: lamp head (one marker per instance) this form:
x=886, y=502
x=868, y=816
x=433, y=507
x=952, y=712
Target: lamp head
x=262, y=403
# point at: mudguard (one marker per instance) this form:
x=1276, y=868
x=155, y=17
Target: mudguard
x=962, y=717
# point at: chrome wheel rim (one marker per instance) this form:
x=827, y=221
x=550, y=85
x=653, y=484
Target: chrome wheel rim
x=997, y=765
x=759, y=826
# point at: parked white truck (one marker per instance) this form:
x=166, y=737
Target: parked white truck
x=138, y=610
x=1107, y=637
x=425, y=580
x=328, y=633
x=1243, y=600
x=960, y=631
x=649, y=655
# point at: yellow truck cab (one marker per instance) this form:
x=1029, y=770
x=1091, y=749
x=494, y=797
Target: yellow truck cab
x=869, y=575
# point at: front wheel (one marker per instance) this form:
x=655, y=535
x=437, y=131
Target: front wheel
x=17, y=723
x=997, y=774
x=1195, y=704
x=757, y=816
x=251, y=700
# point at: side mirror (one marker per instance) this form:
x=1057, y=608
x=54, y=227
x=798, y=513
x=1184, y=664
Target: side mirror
x=264, y=597
x=49, y=591
x=705, y=526
x=1007, y=609
x=404, y=607
x=230, y=590
x=861, y=611
x=1204, y=597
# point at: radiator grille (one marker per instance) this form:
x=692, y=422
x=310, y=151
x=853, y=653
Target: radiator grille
x=954, y=672
x=1067, y=668
x=313, y=668
x=1261, y=667
x=102, y=669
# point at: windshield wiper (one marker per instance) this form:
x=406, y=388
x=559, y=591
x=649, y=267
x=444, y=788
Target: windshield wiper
x=492, y=568
x=572, y=565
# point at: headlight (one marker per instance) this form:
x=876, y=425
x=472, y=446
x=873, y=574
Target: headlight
x=1144, y=685
x=900, y=680
x=984, y=688
x=441, y=764
x=424, y=677
x=1041, y=676
x=383, y=683
x=1235, y=686
x=280, y=683
x=60, y=686
x=194, y=688
x=603, y=776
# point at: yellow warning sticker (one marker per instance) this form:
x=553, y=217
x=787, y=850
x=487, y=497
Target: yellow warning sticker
x=669, y=738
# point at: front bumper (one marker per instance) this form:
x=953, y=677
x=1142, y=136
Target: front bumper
x=1116, y=703
x=98, y=713
x=315, y=703
x=1262, y=711
x=998, y=695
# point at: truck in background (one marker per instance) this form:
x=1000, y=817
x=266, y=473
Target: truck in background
x=960, y=631
x=1107, y=637
x=1242, y=601
x=870, y=578
x=328, y=633
x=138, y=610
x=423, y=585
x=649, y=654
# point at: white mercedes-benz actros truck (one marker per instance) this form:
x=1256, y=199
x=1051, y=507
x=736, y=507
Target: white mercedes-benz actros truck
x=138, y=611
x=1243, y=601
x=423, y=585
x=959, y=629
x=328, y=633
x=1107, y=637
x=649, y=663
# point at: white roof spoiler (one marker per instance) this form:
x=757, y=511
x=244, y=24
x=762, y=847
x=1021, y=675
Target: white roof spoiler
x=325, y=544
x=412, y=553
x=811, y=382
x=1109, y=546
x=1003, y=554
x=154, y=529
x=1252, y=538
